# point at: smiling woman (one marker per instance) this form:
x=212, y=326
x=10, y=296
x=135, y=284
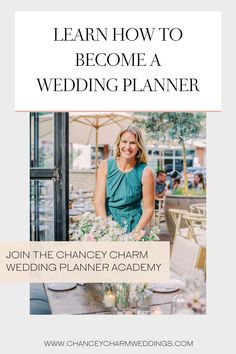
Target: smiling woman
x=124, y=181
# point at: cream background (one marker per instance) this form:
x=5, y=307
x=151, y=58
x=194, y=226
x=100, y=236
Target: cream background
x=66, y=256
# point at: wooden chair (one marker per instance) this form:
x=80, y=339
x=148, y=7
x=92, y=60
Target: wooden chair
x=199, y=208
x=181, y=226
x=197, y=233
x=185, y=257
x=196, y=224
x=158, y=215
x=177, y=215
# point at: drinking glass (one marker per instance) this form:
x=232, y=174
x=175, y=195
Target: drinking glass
x=177, y=303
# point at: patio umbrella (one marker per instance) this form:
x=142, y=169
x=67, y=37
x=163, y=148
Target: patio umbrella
x=92, y=128
x=98, y=128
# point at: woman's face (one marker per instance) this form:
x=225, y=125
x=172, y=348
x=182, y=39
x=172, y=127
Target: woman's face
x=196, y=179
x=128, y=146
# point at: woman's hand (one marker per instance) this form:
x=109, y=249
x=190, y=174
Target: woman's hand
x=100, y=192
x=138, y=233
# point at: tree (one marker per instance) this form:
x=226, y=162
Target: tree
x=173, y=126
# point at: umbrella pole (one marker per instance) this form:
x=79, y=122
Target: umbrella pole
x=96, y=152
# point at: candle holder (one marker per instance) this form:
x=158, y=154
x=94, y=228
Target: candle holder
x=156, y=311
x=109, y=297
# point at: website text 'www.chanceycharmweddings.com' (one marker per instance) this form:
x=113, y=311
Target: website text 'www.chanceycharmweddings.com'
x=118, y=343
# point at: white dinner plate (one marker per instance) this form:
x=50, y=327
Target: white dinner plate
x=164, y=290
x=168, y=287
x=61, y=286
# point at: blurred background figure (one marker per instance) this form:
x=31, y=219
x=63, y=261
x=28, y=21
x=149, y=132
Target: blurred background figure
x=198, y=182
x=160, y=186
x=175, y=180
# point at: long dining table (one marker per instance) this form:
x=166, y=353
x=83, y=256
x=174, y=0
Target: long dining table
x=87, y=300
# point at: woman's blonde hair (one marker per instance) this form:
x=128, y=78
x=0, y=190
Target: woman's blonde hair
x=142, y=155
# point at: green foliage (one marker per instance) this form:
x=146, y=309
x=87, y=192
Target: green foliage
x=172, y=126
x=191, y=192
x=175, y=127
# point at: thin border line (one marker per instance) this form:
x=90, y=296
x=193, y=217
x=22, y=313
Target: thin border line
x=124, y=110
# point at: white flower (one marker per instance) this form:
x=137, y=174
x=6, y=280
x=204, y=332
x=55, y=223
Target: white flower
x=195, y=301
x=90, y=227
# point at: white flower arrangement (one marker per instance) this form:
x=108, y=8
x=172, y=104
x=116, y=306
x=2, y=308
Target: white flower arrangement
x=196, y=302
x=195, y=292
x=89, y=227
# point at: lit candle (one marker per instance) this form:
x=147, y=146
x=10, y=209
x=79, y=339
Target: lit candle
x=109, y=300
x=157, y=311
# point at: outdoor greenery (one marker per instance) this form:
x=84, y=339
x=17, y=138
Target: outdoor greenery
x=191, y=192
x=175, y=127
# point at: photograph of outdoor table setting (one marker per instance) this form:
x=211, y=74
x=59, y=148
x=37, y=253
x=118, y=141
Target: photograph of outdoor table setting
x=127, y=299
x=184, y=293
x=88, y=300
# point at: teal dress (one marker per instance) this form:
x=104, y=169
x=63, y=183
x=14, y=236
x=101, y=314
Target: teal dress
x=124, y=194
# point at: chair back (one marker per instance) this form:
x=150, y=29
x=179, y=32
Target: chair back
x=184, y=256
x=177, y=216
x=197, y=227
x=199, y=208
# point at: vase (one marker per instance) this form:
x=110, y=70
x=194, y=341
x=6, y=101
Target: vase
x=144, y=301
x=122, y=296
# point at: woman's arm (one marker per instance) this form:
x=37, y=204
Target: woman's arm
x=148, y=197
x=100, y=193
